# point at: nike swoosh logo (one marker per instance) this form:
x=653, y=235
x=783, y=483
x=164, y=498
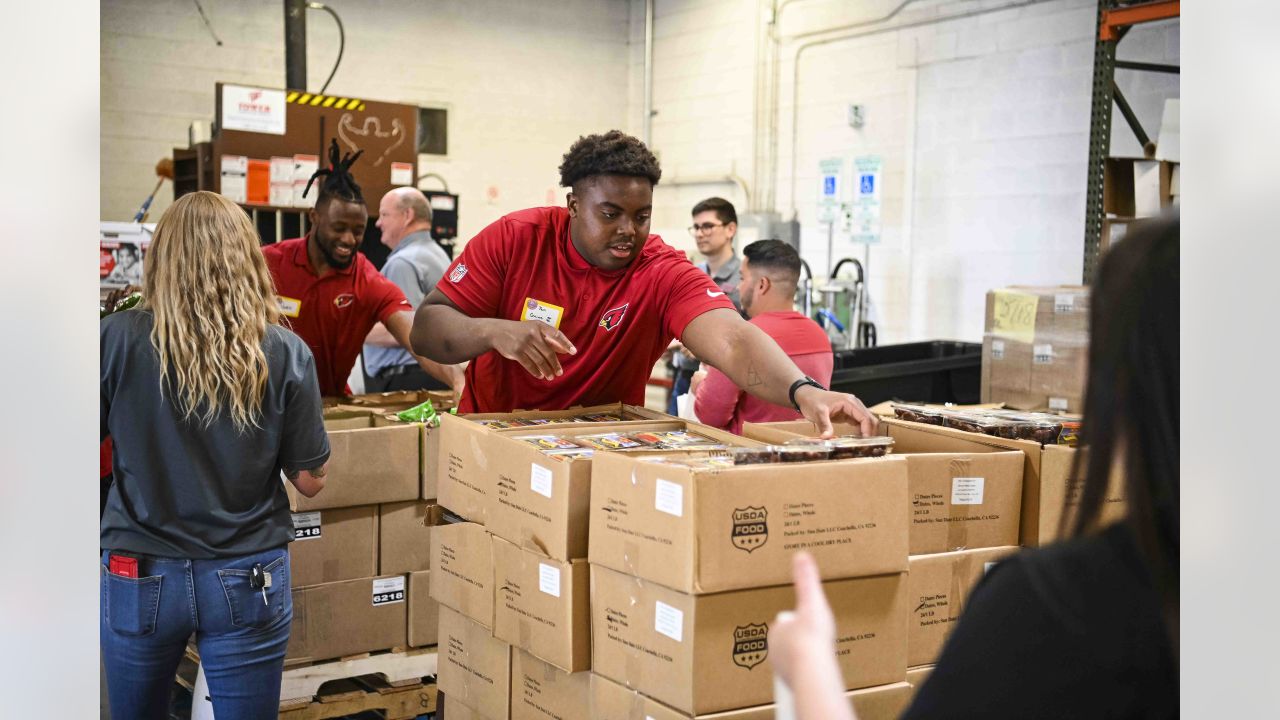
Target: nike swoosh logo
x=713, y=295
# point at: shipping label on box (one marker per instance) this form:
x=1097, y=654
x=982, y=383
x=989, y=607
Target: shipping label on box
x=371, y=465
x=345, y=618
x=332, y=545
x=462, y=563
x=940, y=585
x=542, y=605
x=474, y=667
x=707, y=653
x=424, y=612
x=964, y=500
x=404, y=532
x=709, y=530
x=540, y=690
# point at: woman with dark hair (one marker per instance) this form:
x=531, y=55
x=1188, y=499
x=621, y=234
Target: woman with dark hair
x=1088, y=627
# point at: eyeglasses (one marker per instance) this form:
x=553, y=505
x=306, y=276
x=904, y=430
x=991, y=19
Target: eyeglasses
x=704, y=228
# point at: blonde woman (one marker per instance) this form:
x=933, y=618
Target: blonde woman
x=207, y=400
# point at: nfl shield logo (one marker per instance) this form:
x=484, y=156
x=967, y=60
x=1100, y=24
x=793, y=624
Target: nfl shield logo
x=458, y=273
x=750, y=528
x=750, y=645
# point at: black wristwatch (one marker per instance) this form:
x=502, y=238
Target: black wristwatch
x=806, y=380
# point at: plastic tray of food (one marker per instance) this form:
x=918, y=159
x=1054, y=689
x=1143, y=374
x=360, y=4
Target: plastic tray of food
x=917, y=413
x=851, y=446
x=803, y=450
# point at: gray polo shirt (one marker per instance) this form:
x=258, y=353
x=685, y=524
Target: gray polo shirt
x=415, y=266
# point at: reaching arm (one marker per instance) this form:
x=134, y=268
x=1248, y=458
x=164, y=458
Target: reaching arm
x=755, y=363
x=381, y=337
x=400, y=326
x=444, y=333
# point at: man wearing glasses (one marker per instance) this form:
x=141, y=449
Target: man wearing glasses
x=715, y=223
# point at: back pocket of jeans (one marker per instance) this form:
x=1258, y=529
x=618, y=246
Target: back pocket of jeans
x=250, y=608
x=132, y=604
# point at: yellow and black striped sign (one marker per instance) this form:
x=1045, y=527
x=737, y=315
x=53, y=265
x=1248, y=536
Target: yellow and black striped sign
x=327, y=101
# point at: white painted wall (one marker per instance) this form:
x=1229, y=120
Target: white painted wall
x=982, y=124
x=522, y=80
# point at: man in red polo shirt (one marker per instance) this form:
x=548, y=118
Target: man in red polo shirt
x=331, y=295
x=574, y=305
x=767, y=288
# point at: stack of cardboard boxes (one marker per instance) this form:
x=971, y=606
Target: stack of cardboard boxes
x=509, y=565
x=1035, y=348
x=359, y=560
x=691, y=565
x=973, y=500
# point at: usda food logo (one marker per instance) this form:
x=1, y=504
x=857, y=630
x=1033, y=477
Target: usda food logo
x=750, y=645
x=750, y=528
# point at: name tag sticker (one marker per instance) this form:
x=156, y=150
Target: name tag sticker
x=289, y=307
x=542, y=311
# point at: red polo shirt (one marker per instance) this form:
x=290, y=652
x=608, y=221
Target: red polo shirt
x=333, y=313
x=720, y=403
x=525, y=266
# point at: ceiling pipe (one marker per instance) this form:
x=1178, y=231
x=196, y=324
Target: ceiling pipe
x=648, y=73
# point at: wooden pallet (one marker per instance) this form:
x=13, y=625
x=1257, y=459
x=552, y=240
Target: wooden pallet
x=362, y=694
x=397, y=668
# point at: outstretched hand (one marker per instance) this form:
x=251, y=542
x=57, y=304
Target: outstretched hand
x=824, y=407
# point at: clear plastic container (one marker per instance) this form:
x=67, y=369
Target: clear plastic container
x=803, y=450
x=917, y=413
x=551, y=442
x=843, y=448
x=609, y=441
x=753, y=456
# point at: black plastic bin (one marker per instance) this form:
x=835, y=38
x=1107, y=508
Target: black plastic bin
x=935, y=371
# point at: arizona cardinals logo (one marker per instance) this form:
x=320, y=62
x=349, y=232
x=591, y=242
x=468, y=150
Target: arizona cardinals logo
x=253, y=96
x=344, y=300
x=613, y=318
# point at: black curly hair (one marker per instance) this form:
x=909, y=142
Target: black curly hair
x=338, y=181
x=613, y=153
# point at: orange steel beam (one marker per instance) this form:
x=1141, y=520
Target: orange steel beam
x=1132, y=15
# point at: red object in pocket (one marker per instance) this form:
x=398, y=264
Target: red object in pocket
x=122, y=566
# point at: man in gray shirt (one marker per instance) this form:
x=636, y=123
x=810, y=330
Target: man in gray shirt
x=416, y=264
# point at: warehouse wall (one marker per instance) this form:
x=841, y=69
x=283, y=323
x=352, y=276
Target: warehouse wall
x=982, y=124
x=522, y=81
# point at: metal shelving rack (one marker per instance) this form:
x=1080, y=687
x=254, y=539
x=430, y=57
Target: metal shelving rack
x=1115, y=17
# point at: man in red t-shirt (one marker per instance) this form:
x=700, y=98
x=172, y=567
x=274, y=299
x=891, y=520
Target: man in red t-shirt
x=574, y=305
x=770, y=272
x=330, y=294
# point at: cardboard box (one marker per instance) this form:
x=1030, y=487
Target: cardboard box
x=348, y=617
x=525, y=496
x=778, y=433
x=367, y=465
x=474, y=667
x=1048, y=489
x=707, y=653
x=404, y=533
x=1035, y=347
x=463, y=484
x=541, y=691
x=441, y=400
x=710, y=530
x=332, y=545
x=542, y=605
x=964, y=500
x=462, y=563
x=424, y=612
x=987, y=485
x=940, y=585
x=1136, y=187
x=611, y=701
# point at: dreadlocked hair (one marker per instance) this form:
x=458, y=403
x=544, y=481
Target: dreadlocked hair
x=613, y=153
x=338, y=182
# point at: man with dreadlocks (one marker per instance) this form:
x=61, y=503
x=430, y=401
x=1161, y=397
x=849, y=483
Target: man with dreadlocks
x=332, y=295
x=564, y=306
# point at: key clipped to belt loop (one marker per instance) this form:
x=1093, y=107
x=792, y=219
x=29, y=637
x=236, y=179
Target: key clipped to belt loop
x=258, y=580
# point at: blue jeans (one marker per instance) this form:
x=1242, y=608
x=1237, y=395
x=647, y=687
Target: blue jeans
x=146, y=622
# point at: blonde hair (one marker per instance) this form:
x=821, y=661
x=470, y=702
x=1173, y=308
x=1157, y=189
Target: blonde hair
x=209, y=290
